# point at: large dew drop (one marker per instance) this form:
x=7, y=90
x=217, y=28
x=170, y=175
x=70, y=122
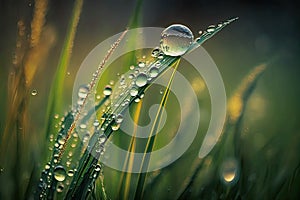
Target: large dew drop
x=176, y=39
x=153, y=72
x=59, y=173
x=141, y=80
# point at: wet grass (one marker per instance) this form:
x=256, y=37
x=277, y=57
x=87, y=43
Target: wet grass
x=67, y=168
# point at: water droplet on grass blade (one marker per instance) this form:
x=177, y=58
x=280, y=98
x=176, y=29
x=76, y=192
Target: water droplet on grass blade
x=60, y=188
x=83, y=91
x=133, y=91
x=211, y=28
x=97, y=168
x=59, y=173
x=115, y=126
x=155, y=52
x=119, y=118
x=141, y=80
x=71, y=173
x=141, y=64
x=153, y=72
x=34, y=92
x=229, y=171
x=176, y=39
x=107, y=90
x=102, y=138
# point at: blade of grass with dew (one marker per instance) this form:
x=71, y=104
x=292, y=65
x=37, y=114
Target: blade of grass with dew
x=164, y=62
x=236, y=108
x=56, y=92
x=88, y=168
x=125, y=177
x=152, y=137
x=134, y=22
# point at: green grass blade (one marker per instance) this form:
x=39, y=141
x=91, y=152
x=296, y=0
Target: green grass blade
x=152, y=137
x=57, y=89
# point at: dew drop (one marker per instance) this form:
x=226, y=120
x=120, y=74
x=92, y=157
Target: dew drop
x=98, y=168
x=229, y=171
x=153, y=72
x=96, y=123
x=34, y=92
x=134, y=91
x=155, y=52
x=102, y=138
x=59, y=173
x=141, y=80
x=115, y=126
x=107, y=90
x=141, y=64
x=136, y=100
x=83, y=91
x=60, y=188
x=131, y=67
x=176, y=39
x=211, y=28
x=160, y=56
x=82, y=126
x=71, y=173
x=47, y=166
x=131, y=76
x=119, y=118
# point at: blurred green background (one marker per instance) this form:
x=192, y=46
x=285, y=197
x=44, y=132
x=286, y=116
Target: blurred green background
x=266, y=33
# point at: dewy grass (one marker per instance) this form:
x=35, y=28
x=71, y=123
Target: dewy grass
x=87, y=170
x=56, y=93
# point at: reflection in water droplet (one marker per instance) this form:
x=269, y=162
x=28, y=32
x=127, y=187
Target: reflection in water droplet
x=83, y=91
x=34, y=92
x=176, y=39
x=59, y=173
x=107, y=90
x=141, y=80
